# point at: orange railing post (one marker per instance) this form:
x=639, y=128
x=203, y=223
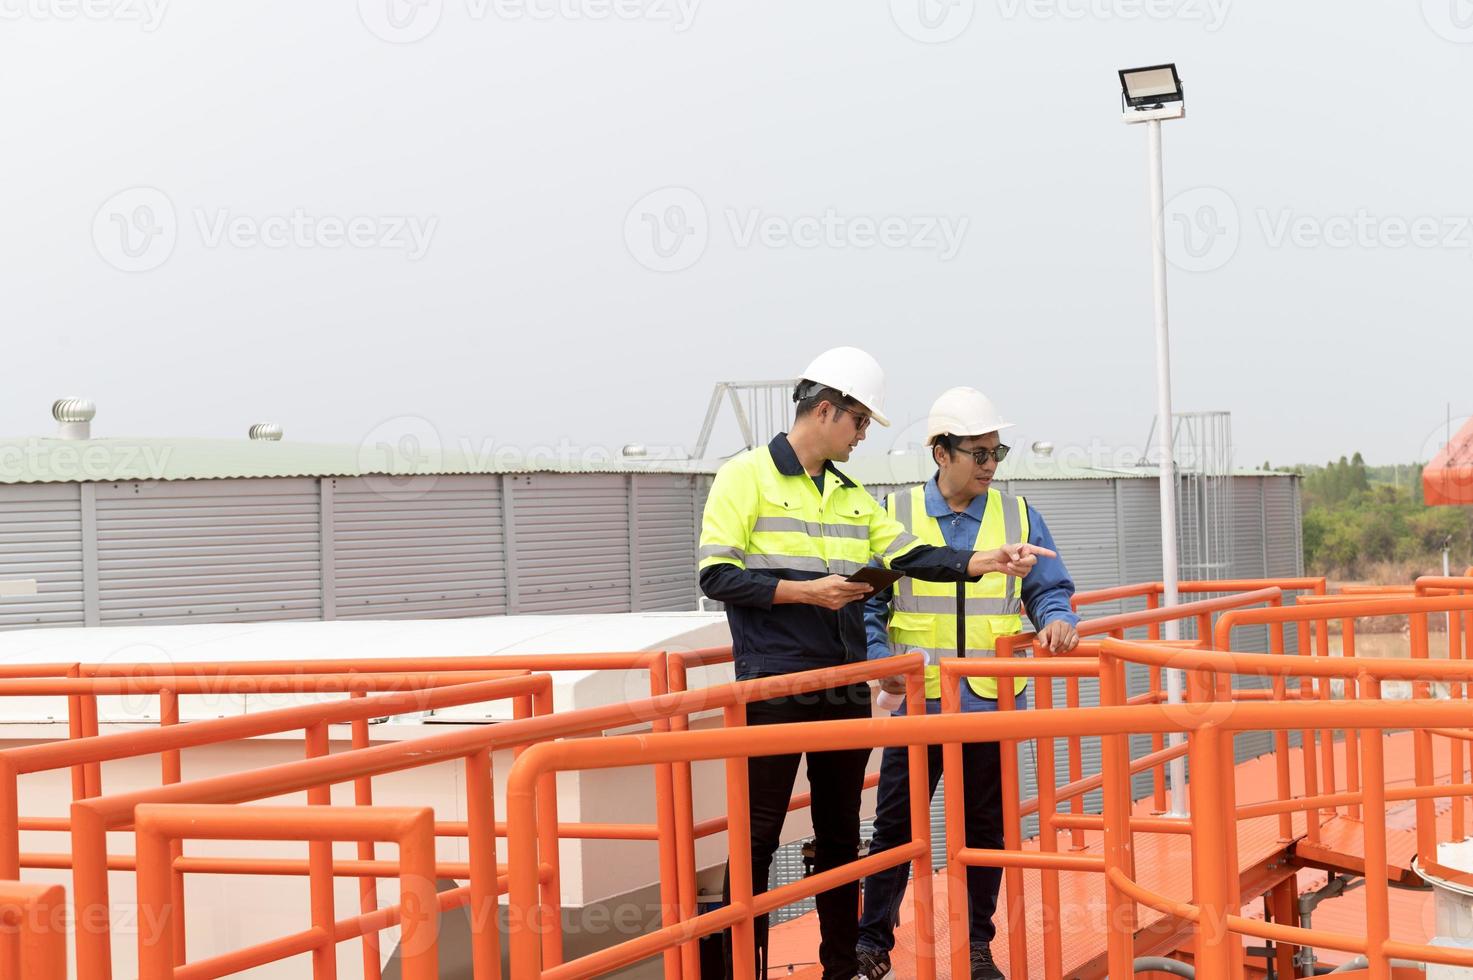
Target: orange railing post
x=1378, y=902
x=739, y=862
x=480, y=814
x=1115, y=752
x=1012, y=830
x=1048, y=839
x=953, y=803
x=665, y=821
x=32, y=917
x=368, y=886
x=918, y=773
x=412, y=828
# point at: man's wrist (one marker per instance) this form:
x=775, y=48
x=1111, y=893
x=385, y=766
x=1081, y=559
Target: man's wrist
x=981, y=563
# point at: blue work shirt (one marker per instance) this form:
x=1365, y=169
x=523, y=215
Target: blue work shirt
x=1046, y=589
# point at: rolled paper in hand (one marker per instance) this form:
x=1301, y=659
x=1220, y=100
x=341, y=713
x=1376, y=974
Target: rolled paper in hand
x=890, y=702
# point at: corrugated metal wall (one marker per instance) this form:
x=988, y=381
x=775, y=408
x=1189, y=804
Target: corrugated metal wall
x=570, y=537
x=41, y=538
x=665, y=525
x=187, y=552
x=245, y=550
x=427, y=547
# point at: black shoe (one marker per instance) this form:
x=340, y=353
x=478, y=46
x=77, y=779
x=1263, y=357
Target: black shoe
x=873, y=964
x=982, y=966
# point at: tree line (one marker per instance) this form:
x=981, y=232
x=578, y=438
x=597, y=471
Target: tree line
x=1370, y=521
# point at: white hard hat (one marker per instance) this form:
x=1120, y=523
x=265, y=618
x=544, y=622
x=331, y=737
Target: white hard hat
x=963, y=412
x=853, y=373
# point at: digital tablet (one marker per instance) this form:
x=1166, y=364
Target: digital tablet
x=876, y=578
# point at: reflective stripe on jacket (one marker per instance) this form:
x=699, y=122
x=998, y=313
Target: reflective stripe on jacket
x=764, y=514
x=924, y=615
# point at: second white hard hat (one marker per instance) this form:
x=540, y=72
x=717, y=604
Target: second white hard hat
x=854, y=373
x=963, y=412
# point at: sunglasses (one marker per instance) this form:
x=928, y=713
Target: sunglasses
x=980, y=456
x=861, y=421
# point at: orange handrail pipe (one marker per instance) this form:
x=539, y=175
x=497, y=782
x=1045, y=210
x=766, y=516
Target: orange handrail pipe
x=36, y=915
x=92, y=818
x=838, y=735
x=158, y=827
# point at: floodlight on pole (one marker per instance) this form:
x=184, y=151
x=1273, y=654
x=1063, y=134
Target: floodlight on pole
x=1149, y=95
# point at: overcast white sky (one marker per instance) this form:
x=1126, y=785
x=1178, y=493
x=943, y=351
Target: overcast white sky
x=559, y=222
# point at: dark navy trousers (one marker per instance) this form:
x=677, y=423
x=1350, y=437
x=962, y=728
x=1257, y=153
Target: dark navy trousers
x=982, y=776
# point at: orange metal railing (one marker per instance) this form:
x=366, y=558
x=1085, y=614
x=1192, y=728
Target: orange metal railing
x=1214, y=872
x=89, y=859
x=1211, y=752
x=160, y=828
x=35, y=917
x=1368, y=716
x=1324, y=697
x=85, y=753
x=692, y=926
x=92, y=818
x=1153, y=593
x=1072, y=670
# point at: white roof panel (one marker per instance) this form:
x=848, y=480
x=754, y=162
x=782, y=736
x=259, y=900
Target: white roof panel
x=357, y=641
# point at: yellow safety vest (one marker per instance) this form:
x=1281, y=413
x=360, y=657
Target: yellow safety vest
x=759, y=518
x=923, y=615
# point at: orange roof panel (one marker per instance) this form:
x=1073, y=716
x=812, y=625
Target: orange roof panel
x=1448, y=479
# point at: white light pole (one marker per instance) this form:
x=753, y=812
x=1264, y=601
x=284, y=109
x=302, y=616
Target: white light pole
x=1149, y=95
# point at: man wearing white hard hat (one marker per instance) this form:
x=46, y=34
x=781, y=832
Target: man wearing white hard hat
x=782, y=530
x=961, y=508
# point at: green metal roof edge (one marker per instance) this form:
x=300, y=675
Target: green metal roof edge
x=49, y=460
x=113, y=460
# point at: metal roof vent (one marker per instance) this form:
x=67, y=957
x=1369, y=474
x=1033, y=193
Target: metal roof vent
x=1043, y=450
x=75, y=417
x=265, y=432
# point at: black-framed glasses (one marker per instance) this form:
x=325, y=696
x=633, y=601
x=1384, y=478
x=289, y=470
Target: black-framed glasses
x=861, y=421
x=980, y=456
